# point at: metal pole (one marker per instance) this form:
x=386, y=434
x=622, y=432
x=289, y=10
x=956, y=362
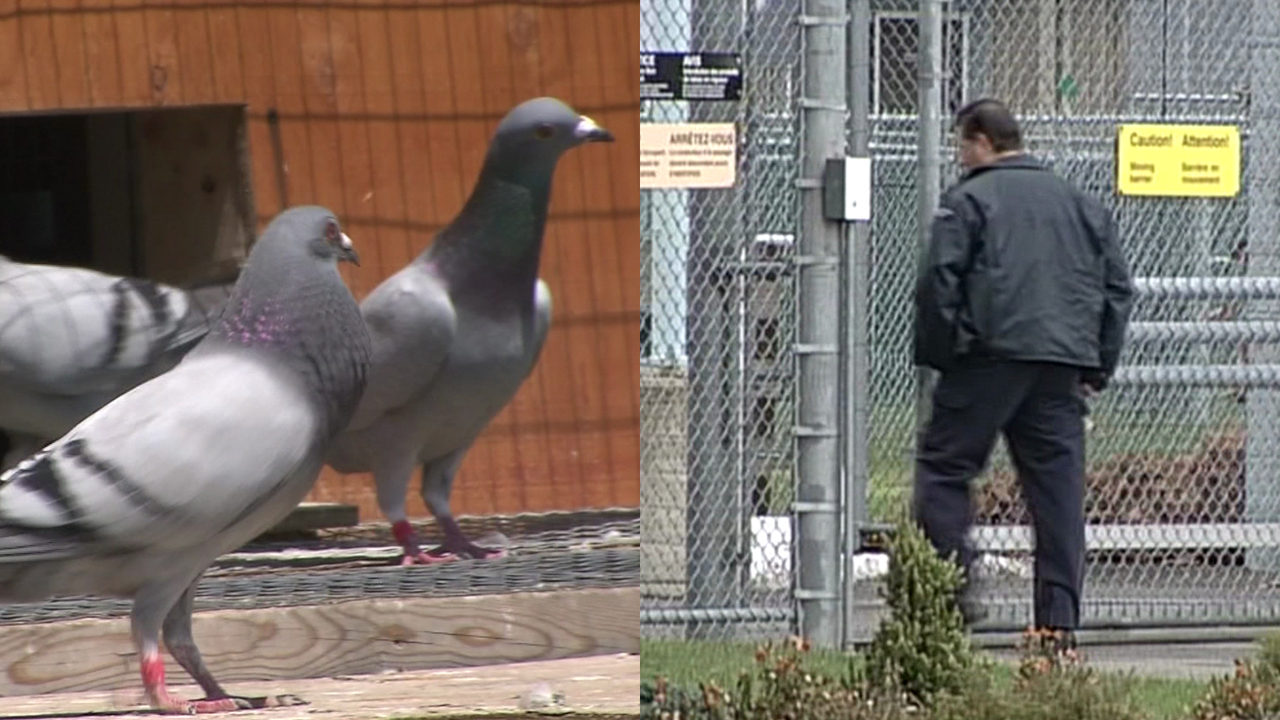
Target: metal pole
x=856, y=256
x=1262, y=497
x=718, y=556
x=823, y=106
x=929, y=74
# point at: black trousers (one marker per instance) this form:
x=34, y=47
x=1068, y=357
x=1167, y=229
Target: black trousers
x=1039, y=409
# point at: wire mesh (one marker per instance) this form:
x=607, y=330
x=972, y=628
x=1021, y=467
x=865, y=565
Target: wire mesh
x=1184, y=517
x=1180, y=527
x=554, y=551
x=718, y=306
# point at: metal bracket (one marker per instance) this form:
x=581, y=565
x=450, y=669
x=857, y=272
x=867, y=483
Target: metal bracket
x=814, y=349
x=812, y=104
x=802, y=594
x=815, y=261
x=812, y=432
x=811, y=506
x=809, y=184
x=815, y=20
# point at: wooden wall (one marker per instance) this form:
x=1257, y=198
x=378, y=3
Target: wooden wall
x=385, y=108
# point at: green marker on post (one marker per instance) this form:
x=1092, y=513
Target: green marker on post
x=1067, y=87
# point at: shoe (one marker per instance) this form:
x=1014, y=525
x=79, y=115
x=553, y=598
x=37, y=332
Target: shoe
x=1062, y=642
x=971, y=609
x=1057, y=643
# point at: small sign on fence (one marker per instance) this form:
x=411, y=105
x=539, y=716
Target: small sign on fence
x=688, y=155
x=690, y=76
x=1178, y=160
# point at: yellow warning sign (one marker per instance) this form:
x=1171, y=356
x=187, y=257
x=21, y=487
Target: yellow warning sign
x=688, y=155
x=1178, y=160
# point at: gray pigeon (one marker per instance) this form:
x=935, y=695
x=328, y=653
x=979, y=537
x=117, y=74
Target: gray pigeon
x=139, y=498
x=459, y=329
x=73, y=339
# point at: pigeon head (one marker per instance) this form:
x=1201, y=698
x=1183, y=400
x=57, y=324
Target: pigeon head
x=498, y=233
x=533, y=136
x=318, y=229
x=296, y=256
x=290, y=303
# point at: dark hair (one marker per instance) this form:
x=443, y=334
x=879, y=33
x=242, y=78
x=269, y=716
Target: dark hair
x=991, y=118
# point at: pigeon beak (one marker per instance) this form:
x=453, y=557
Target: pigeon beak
x=588, y=131
x=347, y=250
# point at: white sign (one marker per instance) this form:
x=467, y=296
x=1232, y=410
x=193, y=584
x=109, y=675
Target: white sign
x=857, y=188
x=688, y=155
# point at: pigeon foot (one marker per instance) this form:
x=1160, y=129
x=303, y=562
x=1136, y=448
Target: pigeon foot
x=456, y=546
x=167, y=704
x=465, y=550
x=171, y=705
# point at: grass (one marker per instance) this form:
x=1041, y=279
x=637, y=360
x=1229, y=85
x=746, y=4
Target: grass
x=1120, y=429
x=689, y=663
x=892, y=448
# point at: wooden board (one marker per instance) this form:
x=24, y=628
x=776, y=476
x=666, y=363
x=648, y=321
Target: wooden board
x=316, y=516
x=599, y=687
x=359, y=637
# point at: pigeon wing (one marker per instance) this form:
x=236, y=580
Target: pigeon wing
x=175, y=460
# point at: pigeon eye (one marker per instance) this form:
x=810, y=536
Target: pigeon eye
x=544, y=131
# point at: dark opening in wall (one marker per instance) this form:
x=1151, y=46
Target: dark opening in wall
x=159, y=193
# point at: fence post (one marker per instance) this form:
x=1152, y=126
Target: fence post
x=929, y=75
x=718, y=554
x=855, y=401
x=1262, y=460
x=817, y=505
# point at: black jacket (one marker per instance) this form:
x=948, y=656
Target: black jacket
x=1022, y=266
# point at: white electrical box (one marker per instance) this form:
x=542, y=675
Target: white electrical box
x=846, y=189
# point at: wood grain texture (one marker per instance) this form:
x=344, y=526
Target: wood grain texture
x=13, y=75
x=602, y=686
x=385, y=110
x=352, y=638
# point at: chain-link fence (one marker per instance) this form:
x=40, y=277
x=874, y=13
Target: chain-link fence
x=718, y=302
x=1181, y=525
x=1183, y=506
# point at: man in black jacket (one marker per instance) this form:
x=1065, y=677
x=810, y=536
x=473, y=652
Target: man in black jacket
x=1022, y=301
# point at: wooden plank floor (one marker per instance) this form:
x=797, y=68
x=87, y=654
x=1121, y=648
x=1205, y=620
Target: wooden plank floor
x=318, y=641
x=603, y=685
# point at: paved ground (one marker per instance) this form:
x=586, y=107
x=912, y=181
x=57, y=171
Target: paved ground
x=604, y=686
x=1199, y=661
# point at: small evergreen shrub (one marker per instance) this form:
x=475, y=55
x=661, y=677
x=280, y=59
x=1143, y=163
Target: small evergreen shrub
x=922, y=648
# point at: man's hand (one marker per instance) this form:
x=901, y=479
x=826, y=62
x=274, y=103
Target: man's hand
x=1092, y=382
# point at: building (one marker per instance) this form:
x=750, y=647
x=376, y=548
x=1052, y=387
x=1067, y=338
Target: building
x=156, y=140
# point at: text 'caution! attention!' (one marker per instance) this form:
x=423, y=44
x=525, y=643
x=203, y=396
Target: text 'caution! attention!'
x=1178, y=160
